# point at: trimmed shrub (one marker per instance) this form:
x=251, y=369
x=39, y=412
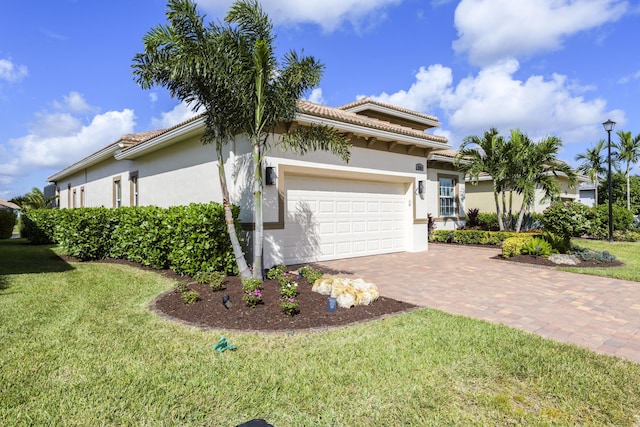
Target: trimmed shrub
x=86, y=233
x=39, y=226
x=7, y=222
x=569, y=219
x=474, y=237
x=513, y=245
x=623, y=219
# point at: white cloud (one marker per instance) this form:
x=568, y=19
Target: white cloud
x=57, y=139
x=316, y=96
x=490, y=30
x=179, y=114
x=329, y=14
x=153, y=97
x=11, y=72
x=628, y=78
x=494, y=98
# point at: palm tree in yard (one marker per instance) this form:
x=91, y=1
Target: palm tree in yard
x=485, y=155
x=230, y=70
x=628, y=151
x=592, y=164
x=538, y=167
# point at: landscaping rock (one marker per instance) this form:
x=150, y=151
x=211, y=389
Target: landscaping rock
x=347, y=292
x=564, y=259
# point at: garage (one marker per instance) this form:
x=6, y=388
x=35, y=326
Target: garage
x=330, y=219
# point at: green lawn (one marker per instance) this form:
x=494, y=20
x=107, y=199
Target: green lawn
x=79, y=347
x=627, y=252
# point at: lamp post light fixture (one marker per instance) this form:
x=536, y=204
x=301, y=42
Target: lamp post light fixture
x=608, y=126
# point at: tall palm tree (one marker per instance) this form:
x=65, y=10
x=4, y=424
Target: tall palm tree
x=592, y=164
x=231, y=71
x=539, y=168
x=271, y=97
x=628, y=151
x=485, y=155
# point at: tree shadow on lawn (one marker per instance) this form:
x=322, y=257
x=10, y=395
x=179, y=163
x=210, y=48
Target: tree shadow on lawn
x=17, y=256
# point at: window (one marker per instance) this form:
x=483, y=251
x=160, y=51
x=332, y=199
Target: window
x=133, y=188
x=117, y=192
x=447, y=196
x=74, y=198
x=69, y=195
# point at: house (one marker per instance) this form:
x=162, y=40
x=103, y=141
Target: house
x=315, y=206
x=480, y=195
x=10, y=206
x=587, y=191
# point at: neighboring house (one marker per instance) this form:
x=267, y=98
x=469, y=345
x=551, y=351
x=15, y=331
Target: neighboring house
x=6, y=205
x=315, y=206
x=587, y=191
x=480, y=196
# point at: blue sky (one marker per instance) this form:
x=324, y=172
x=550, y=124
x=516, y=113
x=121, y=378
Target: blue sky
x=548, y=67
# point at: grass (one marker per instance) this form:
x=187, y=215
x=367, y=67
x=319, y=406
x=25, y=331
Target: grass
x=627, y=252
x=79, y=347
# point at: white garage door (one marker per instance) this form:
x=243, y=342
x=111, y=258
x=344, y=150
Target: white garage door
x=331, y=219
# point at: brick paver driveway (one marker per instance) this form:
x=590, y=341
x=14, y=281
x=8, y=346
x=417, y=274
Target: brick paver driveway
x=598, y=313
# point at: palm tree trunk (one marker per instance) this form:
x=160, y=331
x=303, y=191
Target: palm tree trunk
x=628, y=190
x=258, y=232
x=597, y=183
x=243, y=269
x=523, y=209
x=500, y=222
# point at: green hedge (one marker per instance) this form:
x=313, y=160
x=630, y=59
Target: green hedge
x=7, y=222
x=187, y=239
x=473, y=237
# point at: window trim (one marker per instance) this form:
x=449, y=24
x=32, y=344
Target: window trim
x=82, y=197
x=134, y=189
x=68, y=195
x=117, y=191
x=74, y=198
x=456, y=192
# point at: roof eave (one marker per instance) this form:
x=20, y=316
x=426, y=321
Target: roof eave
x=354, y=128
x=90, y=160
x=398, y=113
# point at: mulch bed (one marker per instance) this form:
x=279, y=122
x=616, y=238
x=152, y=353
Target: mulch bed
x=209, y=312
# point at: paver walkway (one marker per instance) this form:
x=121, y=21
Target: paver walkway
x=598, y=313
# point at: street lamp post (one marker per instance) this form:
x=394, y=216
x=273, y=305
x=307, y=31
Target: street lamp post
x=608, y=126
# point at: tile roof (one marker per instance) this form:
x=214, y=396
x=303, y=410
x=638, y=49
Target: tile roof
x=8, y=204
x=368, y=100
x=358, y=119
x=444, y=153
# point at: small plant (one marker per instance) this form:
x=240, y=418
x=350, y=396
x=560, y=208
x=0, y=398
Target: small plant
x=310, y=274
x=289, y=290
x=276, y=271
x=189, y=297
x=587, y=254
x=289, y=306
x=252, y=291
x=472, y=217
x=215, y=279
x=431, y=224
x=538, y=247
x=180, y=287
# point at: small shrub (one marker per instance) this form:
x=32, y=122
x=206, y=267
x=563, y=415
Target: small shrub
x=626, y=236
x=180, y=287
x=276, y=271
x=252, y=288
x=189, y=297
x=289, y=306
x=537, y=246
x=513, y=246
x=488, y=221
x=587, y=254
x=557, y=243
x=472, y=217
x=623, y=219
x=215, y=279
x=7, y=222
x=431, y=224
x=310, y=274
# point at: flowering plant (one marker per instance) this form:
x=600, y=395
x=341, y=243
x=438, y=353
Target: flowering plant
x=289, y=306
x=289, y=290
x=252, y=291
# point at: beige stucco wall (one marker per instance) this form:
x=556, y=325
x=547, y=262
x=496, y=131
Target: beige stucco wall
x=480, y=196
x=433, y=200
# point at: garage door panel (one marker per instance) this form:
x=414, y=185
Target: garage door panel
x=329, y=219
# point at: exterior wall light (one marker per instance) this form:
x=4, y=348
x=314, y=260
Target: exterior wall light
x=270, y=175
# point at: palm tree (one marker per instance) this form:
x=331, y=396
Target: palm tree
x=593, y=164
x=230, y=69
x=271, y=97
x=485, y=155
x=33, y=200
x=628, y=151
x=538, y=167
